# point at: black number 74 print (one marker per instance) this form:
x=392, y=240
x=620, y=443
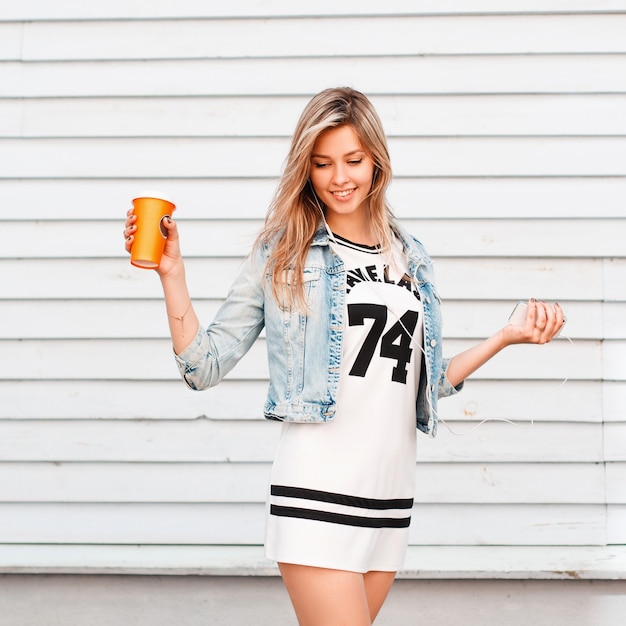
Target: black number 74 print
x=394, y=344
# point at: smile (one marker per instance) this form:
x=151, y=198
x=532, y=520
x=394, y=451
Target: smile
x=343, y=194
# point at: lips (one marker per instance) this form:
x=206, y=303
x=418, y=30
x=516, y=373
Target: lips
x=343, y=194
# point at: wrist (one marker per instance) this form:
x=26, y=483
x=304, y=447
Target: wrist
x=174, y=274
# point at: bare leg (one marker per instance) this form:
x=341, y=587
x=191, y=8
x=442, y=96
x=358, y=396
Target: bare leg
x=377, y=586
x=327, y=597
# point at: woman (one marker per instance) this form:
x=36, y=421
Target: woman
x=352, y=318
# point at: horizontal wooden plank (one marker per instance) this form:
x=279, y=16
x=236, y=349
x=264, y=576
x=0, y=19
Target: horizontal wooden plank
x=255, y=157
x=614, y=394
x=450, y=483
x=422, y=562
x=109, y=360
x=614, y=361
x=145, y=9
x=241, y=116
x=169, y=399
x=426, y=198
x=614, y=324
x=616, y=524
x=10, y=40
x=616, y=482
x=153, y=441
x=521, y=401
x=118, y=319
x=614, y=274
x=243, y=524
x=234, y=238
x=501, y=74
x=254, y=441
x=472, y=279
x=615, y=441
x=142, y=359
x=280, y=37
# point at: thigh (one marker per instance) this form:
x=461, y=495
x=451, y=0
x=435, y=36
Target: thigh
x=377, y=586
x=326, y=597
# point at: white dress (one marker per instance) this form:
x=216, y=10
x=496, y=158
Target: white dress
x=341, y=492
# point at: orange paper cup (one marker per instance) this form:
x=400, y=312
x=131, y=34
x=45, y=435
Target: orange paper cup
x=151, y=209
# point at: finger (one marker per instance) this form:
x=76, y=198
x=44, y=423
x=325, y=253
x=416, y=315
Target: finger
x=170, y=226
x=542, y=316
x=129, y=229
x=560, y=315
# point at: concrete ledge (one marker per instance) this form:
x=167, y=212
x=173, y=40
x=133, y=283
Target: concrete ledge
x=423, y=562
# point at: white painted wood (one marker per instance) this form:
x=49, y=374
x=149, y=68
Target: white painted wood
x=11, y=112
x=75, y=9
x=548, y=115
x=504, y=198
x=614, y=366
x=616, y=483
x=243, y=524
x=614, y=401
x=425, y=198
x=522, y=401
x=616, y=524
x=422, y=562
x=614, y=325
x=11, y=36
x=615, y=441
x=449, y=483
x=151, y=359
x=547, y=279
x=249, y=157
x=109, y=360
x=615, y=279
x=515, y=562
x=130, y=399
x=254, y=441
x=230, y=238
x=535, y=74
x=405, y=35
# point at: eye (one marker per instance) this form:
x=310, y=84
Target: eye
x=320, y=165
x=355, y=161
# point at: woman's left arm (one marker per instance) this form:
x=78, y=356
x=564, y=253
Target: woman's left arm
x=543, y=322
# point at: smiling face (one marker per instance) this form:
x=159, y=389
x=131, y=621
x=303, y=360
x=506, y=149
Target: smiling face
x=341, y=174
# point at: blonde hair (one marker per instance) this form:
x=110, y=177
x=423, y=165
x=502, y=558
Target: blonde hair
x=294, y=214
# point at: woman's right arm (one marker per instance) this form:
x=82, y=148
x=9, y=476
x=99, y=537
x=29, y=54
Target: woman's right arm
x=182, y=318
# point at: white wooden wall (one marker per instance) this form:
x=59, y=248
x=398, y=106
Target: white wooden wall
x=507, y=126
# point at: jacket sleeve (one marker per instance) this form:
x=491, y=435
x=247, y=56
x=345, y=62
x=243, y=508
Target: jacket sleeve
x=445, y=387
x=216, y=349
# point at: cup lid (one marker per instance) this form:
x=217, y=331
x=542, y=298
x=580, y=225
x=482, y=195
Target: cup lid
x=154, y=193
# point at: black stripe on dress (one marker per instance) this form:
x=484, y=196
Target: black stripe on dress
x=340, y=498
x=338, y=518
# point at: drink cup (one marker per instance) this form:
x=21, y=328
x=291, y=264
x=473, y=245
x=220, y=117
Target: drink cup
x=151, y=209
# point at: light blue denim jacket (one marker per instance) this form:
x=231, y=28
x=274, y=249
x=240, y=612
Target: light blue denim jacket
x=304, y=349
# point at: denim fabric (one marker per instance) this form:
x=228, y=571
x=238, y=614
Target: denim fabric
x=304, y=348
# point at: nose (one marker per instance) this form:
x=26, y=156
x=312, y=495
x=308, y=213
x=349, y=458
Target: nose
x=340, y=174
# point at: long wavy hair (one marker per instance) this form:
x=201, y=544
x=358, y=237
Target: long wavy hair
x=294, y=213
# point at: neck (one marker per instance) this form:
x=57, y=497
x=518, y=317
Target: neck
x=356, y=230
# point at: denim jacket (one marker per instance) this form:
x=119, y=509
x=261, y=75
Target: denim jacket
x=304, y=348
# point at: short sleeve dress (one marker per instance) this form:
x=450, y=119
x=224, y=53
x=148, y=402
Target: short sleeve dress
x=341, y=492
